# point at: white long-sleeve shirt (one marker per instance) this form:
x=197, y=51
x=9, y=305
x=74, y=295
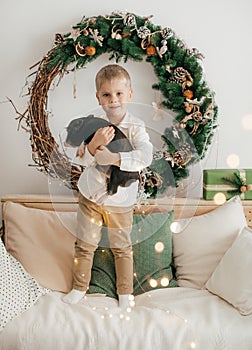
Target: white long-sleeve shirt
x=93, y=181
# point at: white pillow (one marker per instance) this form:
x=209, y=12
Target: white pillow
x=203, y=240
x=18, y=290
x=232, y=279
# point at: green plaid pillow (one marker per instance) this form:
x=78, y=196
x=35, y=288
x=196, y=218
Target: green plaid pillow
x=152, y=248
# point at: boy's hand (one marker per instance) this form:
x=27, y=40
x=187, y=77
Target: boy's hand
x=102, y=137
x=103, y=156
x=80, y=150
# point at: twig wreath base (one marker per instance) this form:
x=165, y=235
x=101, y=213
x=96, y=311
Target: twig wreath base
x=180, y=80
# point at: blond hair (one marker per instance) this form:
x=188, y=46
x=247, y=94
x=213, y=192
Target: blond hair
x=109, y=72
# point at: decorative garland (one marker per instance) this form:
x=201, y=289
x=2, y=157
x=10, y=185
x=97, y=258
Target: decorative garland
x=180, y=80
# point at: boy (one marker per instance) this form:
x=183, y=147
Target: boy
x=113, y=92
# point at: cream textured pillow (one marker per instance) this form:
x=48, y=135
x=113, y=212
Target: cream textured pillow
x=203, y=240
x=40, y=240
x=18, y=290
x=232, y=279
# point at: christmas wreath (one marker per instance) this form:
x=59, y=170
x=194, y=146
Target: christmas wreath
x=126, y=36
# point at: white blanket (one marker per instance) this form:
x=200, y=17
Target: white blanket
x=175, y=318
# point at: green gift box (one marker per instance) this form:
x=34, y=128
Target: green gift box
x=230, y=182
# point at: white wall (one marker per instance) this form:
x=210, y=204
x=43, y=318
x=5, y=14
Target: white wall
x=221, y=30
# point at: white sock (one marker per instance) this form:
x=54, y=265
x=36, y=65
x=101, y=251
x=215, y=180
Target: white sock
x=126, y=301
x=74, y=296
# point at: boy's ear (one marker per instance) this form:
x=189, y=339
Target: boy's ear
x=131, y=93
x=97, y=96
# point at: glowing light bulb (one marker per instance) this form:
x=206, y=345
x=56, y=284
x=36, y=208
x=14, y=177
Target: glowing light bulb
x=247, y=122
x=159, y=247
x=219, y=198
x=175, y=227
x=233, y=161
x=165, y=282
x=153, y=283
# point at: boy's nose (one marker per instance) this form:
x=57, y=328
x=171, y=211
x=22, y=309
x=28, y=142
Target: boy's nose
x=113, y=99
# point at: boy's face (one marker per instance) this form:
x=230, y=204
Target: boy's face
x=113, y=97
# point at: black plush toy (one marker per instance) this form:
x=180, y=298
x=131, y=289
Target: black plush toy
x=83, y=129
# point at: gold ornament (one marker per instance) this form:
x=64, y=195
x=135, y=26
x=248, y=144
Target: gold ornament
x=188, y=94
x=151, y=50
x=85, y=51
x=192, y=106
x=90, y=50
x=243, y=188
x=188, y=107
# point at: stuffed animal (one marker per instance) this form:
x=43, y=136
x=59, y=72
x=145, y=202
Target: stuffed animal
x=83, y=129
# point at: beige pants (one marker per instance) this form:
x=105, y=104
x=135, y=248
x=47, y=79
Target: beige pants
x=118, y=220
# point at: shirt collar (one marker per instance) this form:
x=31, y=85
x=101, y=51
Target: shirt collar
x=124, y=123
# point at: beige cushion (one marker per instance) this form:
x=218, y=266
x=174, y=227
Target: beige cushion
x=202, y=240
x=43, y=241
x=232, y=278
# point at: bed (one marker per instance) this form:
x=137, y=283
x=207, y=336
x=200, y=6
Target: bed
x=192, y=280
